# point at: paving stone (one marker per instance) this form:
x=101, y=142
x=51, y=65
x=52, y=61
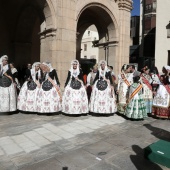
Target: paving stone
x=25, y=143
x=1, y=152
x=22, y=160
x=77, y=160
x=37, y=138
x=121, y=140
x=102, y=165
x=6, y=164
x=80, y=127
x=48, y=134
x=12, y=149
x=8, y=145
x=128, y=161
x=71, y=130
x=51, y=164
x=58, y=131
x=103, y=149
x=6, y=140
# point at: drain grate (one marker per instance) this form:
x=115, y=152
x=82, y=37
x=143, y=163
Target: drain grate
x=102, y=153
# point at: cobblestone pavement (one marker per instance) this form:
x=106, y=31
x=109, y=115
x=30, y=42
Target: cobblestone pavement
x=59, y=142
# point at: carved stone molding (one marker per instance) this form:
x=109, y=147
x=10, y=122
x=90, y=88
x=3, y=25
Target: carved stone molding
x=47, y=33
x=125, y=4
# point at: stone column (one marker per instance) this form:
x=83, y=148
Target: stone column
x=125, y=7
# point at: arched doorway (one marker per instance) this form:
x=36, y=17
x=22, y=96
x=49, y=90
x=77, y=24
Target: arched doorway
x=23, y=24
x=101, y=17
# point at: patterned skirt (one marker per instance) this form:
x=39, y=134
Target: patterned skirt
x=103, y=102
x=48, y=101
x=136, y=109
x=8, y=99
x=27, y=99
x=161, y=103
x=75, y=101
x=161, y=112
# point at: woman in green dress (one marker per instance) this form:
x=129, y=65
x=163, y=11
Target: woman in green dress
x=136, y=108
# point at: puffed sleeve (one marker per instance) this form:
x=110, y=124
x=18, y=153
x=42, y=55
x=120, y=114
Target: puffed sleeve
x=56, y=77
x=110, y=78
x=80, y=76
x=68, y=78
x=96, y=78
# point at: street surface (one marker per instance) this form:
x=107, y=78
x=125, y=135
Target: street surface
x=59, y=142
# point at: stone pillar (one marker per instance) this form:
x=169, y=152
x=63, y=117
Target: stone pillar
x=124, y=33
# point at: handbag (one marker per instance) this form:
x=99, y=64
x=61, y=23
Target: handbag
x=5, y=81
x=75, y=84
x=31, y=85
x=102, y=85
x=47, y=85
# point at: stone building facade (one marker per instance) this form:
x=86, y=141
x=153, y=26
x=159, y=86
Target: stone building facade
x=87, y=49
x=155, y=23
x=51, y=30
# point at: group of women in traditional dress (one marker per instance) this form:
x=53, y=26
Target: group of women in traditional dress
x=140, y=94
x=134, y=96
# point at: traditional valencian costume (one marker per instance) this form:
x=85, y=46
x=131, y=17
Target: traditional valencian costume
x=136, y=108
x=49, y=96
x=161, y=101
x=7, y=89
x=103, y=99
x=124, y=82
x=75, y=99
x=90, y=79
x=147, y=89
x=27, y=99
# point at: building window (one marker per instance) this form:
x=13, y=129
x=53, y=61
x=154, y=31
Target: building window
x=168, y=58
x=85, y=47
x=88, y=33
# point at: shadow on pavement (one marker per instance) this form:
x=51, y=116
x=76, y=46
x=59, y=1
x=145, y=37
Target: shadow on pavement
x=140, y=162
x=101, y=115
x=158, y=132
x=8, y=113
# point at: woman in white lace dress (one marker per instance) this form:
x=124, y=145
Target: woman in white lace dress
x=75, y=99
x=49, y=96
x=7, y=88
x=147, y=89
x=103, y=99
x=27, y=99
x=125, y=79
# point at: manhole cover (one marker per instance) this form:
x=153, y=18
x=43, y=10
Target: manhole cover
x=102, y=153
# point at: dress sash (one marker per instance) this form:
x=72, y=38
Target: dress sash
x=125, y=80
x=136, y=91
x=167, y=88
x=146, y=82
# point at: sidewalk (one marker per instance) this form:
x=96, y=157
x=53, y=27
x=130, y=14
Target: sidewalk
x=34, y=142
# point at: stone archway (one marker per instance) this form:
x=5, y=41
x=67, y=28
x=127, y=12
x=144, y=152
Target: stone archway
x=24, y=22
x=107, y=27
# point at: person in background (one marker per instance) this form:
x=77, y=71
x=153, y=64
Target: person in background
x=103, y=99
x=90, y=78
x=136, y=108
x=27, y=99
x=161, y=101
x=27, y=71
x=49, y=97
x=155, y=78
x=7, y=87
x=147, y=88
x=15, y=76
x=125, y=79
x=75, y=101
